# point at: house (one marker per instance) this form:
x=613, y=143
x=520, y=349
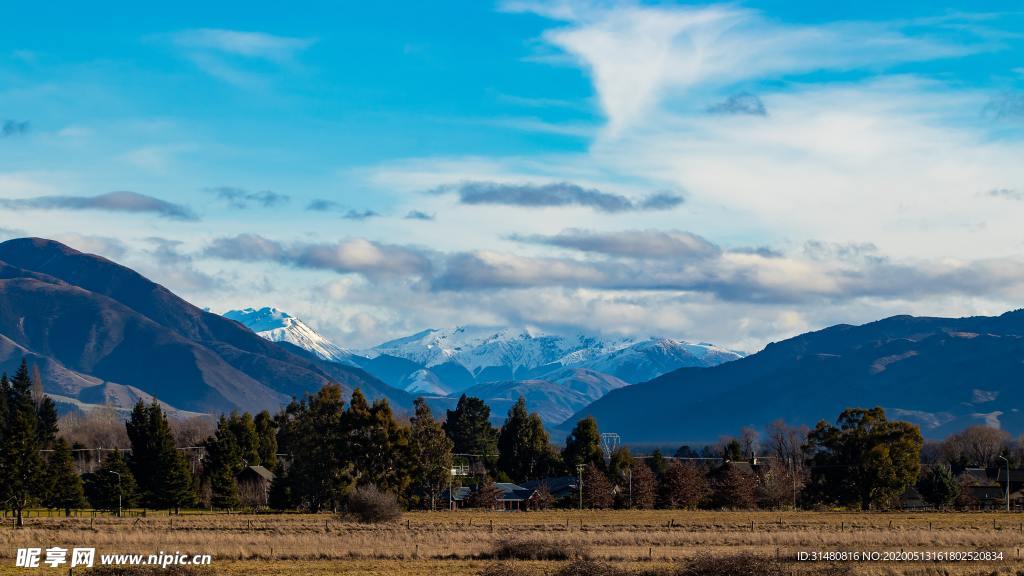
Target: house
x=514, y=496
x=254, y=485
x=985, y=497
x=562, y=488
x=508, y=496
x=911, y=499
x=1016, y=478
x=457, y=497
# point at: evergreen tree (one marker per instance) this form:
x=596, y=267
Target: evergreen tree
x=311, y=431
x=733, y=451
x=112, y=479
x=513, y=442
x=64, y=485
x=430, y=455
x=658, y=463
x=685, y=451
x=469, y=427
x=161, y=470
x=619, y=464
x=524, y=451
x=243, y=428
x=266, y=430
x=644, y=485
x=583, y=446
x=374, y=444
x=865, y=459
x=223, y=462
x=938, y=486
x=22, y=474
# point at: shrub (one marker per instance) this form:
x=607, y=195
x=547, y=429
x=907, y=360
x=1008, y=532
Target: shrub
x=501, y=569
x=738, y=565
x=370, y=505
x=534, y=550
x=591, y=568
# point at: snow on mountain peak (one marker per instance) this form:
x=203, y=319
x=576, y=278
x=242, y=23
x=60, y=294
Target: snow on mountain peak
x=278, y=326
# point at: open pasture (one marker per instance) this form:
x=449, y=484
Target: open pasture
x=463, y=542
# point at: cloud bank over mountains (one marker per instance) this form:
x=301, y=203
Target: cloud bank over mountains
x=743, y=175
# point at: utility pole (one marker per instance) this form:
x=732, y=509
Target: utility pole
x=1003, y=458
x=630, y=472
x=118, y=474
x=579, y=470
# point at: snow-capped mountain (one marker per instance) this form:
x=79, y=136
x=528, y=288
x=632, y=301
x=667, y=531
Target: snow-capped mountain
x=479, y=348
x=559, y=374
x=463, y=357
x=647, y=359
x=278, y=326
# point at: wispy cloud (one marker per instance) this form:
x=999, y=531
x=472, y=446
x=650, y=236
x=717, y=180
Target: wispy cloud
x=122, y=201
x=241, y=198
x=11, y=128
x=642, y=244
x=556, y=194
x=639, y=54
x=228, y=54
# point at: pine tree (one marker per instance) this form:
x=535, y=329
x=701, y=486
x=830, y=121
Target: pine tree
x=266, y=430
x=223, y=462
x=21, y=476
x=619, y=464
x=469, y=427
x=938, y=486
x=243, y=428
x=658, y=463
x=430, y=455
x=64, y=485
x=111, y=480
x=161, y=470
x=524, y=451
x=311, y=431
x=583, y=446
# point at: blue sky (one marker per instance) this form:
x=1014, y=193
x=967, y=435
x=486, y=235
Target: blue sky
x=733, y=172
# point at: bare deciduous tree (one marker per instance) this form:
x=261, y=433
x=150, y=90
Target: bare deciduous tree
x=977, y=446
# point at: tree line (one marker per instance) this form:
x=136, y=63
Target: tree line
x=321, y=448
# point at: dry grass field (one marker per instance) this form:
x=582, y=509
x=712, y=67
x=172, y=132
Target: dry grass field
x=455, y=543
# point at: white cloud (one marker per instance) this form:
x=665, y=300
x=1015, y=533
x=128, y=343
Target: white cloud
x=637, y=55
x=230, y=54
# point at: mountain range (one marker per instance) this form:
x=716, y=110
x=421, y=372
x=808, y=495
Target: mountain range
x=942, y=373
x=557, y=374
x=101, y=333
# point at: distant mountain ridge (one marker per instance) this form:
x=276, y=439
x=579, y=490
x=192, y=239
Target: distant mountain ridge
x=557, y=374
x=100, y=332
x=941, y=373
